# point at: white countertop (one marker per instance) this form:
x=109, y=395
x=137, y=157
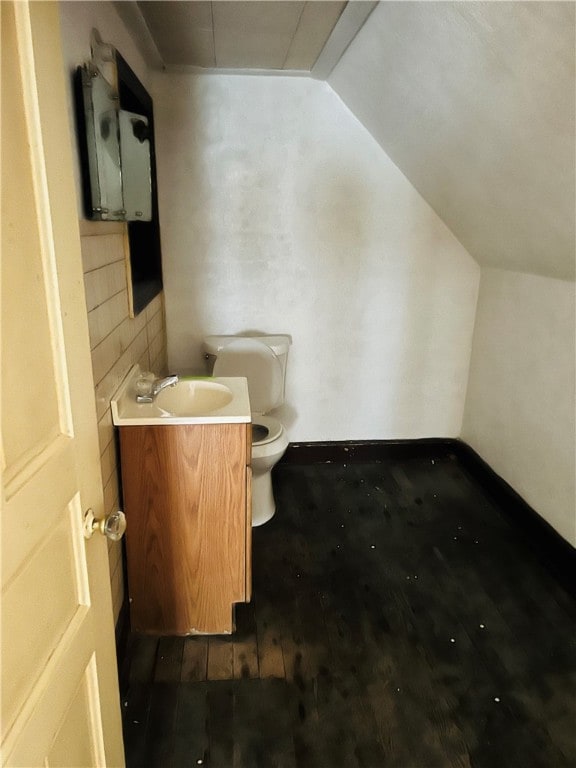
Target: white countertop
x=126, y=411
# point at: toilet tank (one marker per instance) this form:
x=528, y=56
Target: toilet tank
x=278, y=343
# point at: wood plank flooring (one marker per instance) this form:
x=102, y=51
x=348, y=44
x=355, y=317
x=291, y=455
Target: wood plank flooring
x=398, y=621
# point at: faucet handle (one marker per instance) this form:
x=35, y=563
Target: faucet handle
x=144, y=383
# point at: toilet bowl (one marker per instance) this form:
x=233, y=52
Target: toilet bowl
x=262, y=360
x=266, y=453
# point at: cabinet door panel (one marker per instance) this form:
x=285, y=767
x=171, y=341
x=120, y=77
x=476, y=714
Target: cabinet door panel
x=185, y=502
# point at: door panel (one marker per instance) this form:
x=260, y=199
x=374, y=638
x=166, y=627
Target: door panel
x=77, y=742
x=60, y=702
x=54, y=579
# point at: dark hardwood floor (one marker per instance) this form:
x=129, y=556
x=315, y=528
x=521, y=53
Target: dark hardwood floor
x=398, y=620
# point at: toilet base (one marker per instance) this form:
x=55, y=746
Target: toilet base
x=263, y=504
x=265, y=456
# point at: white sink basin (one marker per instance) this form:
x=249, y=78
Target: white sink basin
x=218, y=400
x=194, y=397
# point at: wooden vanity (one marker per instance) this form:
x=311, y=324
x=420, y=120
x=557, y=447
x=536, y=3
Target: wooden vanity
x=189, y=530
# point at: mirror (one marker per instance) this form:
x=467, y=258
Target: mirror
x=135, y=166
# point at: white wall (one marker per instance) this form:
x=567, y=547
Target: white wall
x=475, y=102
x=520, y=407
x=280, y=213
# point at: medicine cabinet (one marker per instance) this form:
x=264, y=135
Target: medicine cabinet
x=115, y=122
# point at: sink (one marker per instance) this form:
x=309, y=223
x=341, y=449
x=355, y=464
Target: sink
x=193, y=400
x=192, y=397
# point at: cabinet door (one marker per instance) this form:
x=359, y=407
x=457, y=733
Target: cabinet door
x=185, y=493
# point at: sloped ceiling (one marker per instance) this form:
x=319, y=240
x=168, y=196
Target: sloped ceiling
x=475, y=101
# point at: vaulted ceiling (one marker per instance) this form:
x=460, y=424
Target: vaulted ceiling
x=474, y=101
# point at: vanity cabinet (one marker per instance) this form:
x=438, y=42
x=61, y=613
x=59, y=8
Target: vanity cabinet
x=187, y=502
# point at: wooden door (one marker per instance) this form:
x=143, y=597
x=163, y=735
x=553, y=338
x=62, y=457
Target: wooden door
x=60, y=701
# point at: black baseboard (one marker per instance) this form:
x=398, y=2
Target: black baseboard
x=556, y=554
x=360, y=451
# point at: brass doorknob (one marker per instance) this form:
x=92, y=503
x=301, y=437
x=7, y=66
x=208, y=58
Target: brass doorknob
x=112, y=526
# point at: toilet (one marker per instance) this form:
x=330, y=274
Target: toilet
x=262, y=360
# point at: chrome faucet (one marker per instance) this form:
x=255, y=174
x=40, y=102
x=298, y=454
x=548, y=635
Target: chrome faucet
x=157, y=386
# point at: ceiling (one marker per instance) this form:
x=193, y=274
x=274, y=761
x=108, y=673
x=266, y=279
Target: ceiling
x=257, y=35
x=473, y=101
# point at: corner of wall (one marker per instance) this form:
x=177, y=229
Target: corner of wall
x=520, y=414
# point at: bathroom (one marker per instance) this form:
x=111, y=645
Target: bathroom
x=295, y=205
x=280, y=213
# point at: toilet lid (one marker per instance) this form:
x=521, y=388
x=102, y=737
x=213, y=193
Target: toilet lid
x=258, y=363
x=264, y=429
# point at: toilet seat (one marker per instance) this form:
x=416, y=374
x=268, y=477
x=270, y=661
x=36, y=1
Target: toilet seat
x=270, y=429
